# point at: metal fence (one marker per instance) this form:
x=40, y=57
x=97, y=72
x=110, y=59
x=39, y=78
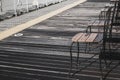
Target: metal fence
x=16, y=5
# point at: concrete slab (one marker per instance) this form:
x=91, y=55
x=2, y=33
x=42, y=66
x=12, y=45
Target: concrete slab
x=22, y=22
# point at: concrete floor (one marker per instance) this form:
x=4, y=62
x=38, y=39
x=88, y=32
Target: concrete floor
x=41, y=52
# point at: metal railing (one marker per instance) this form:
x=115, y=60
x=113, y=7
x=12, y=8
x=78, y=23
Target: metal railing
x=15, y=5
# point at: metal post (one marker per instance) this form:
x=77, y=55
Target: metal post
x=1, y=5
x=27, y=5
x=15, y=11
x=46, y=3
x=71, y=60
x=35, y=3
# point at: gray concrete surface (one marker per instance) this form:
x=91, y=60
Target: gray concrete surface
x=6, y=24
x=24, y=56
